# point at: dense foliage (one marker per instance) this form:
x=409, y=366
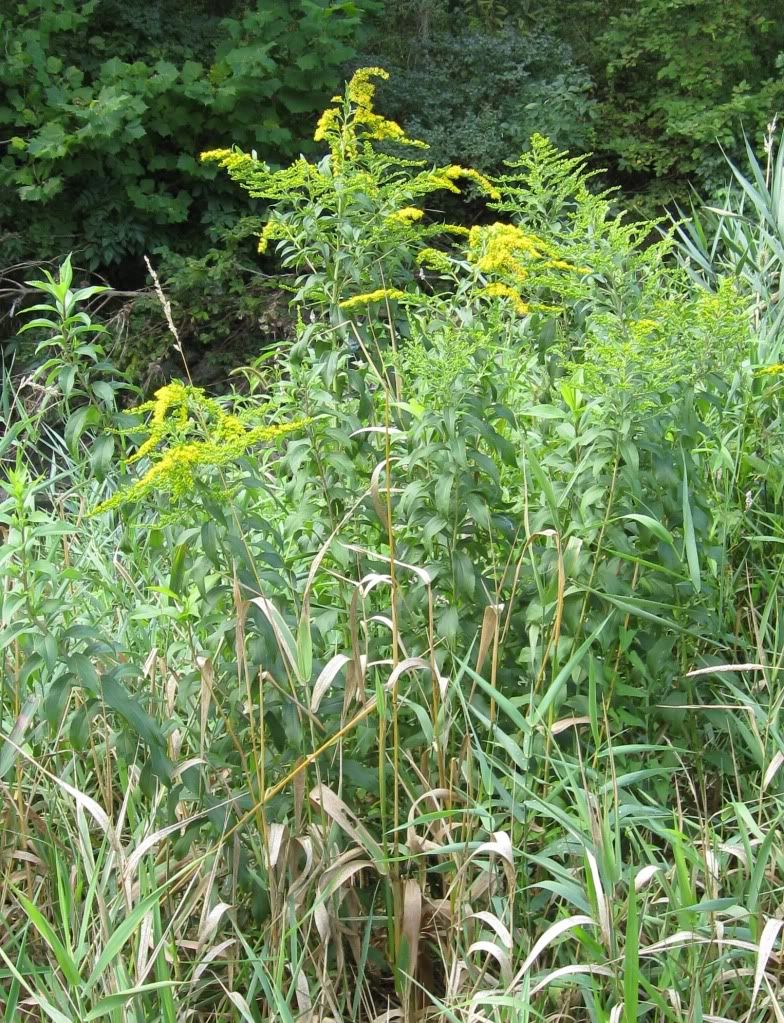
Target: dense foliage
x=674, y=77
x=649, y=85
x=433, y=673
x=477, y=95
x=106, y=105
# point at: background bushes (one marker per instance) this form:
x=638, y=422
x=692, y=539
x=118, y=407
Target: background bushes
x=107, y=106
x=673, y=77
x=477, y=94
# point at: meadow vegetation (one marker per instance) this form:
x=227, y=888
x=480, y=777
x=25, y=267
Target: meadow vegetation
x=432, y=672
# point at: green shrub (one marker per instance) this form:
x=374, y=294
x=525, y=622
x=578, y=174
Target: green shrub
x=673, y=79
x=551, y=368
x=224, y=305
x=105, y=110
x=649, y=86
x=477, y=94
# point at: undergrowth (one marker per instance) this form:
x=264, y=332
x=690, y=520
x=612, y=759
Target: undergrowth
x=442, y=680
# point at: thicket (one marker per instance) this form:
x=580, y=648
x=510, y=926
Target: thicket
x=650, y=87
x=476, y=91
x=106, y=105
x=435, y=673
x=675, y=77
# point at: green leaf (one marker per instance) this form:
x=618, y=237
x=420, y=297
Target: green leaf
x=432, y=528
x=304, y=648
x=65, y=380
x=653, y=525
x=8, y=750
x=544, y=484
x=116, y=1001
x=177, y=576
x=104, y=392
x=555, y=687
x=692, y=557
x=77, y=423
x=56, y=698
x=631, y=959
x=117, y=698
x=85, y=671
x=45, y=929
x=442, y=492
x=286, y=642
x=101, y=456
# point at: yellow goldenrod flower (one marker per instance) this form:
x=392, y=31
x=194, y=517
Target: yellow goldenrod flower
x=498, y=290
x=273, y=230
x=328, y=123
x=232, y=160
x=406, y=215
x=360, y=89
x=214, y=155
x=381, y=129
x=172, y=396
x=435, y=260
x=363, y=122
x=505, y=249
x=455, y=173
x=382, y=294
x=178, y=412
x=561, y=264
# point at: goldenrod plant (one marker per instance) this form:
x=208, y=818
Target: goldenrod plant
x=189, y=437
x=348, y=223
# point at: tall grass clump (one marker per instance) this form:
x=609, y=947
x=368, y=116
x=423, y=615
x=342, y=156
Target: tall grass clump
x=434, y=672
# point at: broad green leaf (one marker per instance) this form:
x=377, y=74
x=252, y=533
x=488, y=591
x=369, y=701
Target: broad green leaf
x=116, y=1001
x=47, y=932
x=653, y=525
x=692, y=558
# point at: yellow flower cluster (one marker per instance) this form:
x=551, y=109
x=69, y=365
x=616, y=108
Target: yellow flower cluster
x=434, y=259
x=508, y=252
x=381, y=295
x=381, y=129
x=407, y=215
x=776, y=370
x=173, y=396
x=271, y=231
x=232, y=160
x=360, y=89
x=506, y=249
x=446, y=177
x=561, y=264
x=498, y=290
x=362, y=122
x=177, y=411
x=460, y=229
x=328, y=123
